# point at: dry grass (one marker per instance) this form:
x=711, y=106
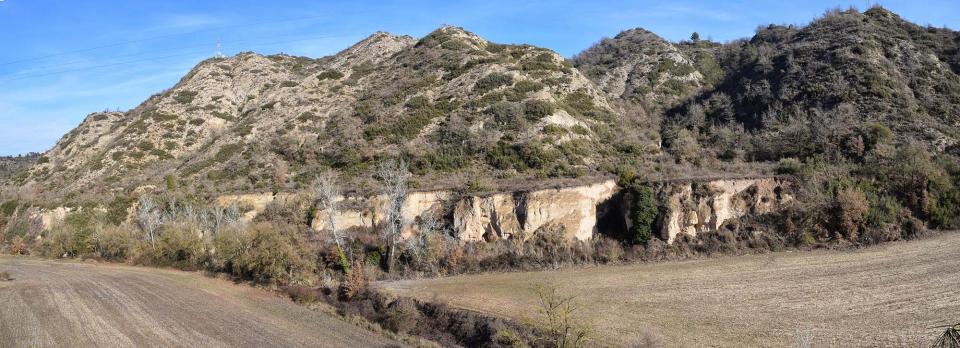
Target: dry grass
x=58, y=304
x=885, y=296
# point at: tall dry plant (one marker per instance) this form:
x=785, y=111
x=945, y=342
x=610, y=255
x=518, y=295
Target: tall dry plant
x=355, y=282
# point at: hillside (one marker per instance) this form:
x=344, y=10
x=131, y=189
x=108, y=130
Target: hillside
x=469, y=114
x=11, y=166
x=641, y=67
x=799, y=91
x=456, y=106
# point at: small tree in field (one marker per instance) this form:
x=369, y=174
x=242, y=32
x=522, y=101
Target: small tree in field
x=558, y=320
x=394, y=176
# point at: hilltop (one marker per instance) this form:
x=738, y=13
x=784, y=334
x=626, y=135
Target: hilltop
x=460, y=109
x=830, y=86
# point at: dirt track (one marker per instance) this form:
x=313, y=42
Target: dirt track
x=884, y=296
x=71, y=304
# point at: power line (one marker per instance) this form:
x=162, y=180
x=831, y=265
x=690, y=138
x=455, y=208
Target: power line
x=155, y=38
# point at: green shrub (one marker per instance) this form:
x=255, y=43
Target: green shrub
x=265, y=253
x=145, y=146
x=507, y=115
x=883, y=210
x=162, y=117
x=21, y=226
x=286, y=84
x=789, y=166
x=227, y=152
x=114, y=243
x=223, y=116
x=180, y=245
x=185, y=97
x=581, y=130
x=943, y=208
x=330, y=75
x=61, y=243
x=9, y=207
x=644, y=209
x=537, y=109
x=874, y=134
x=523, y=87
x=74, y=238
x=361, y=70
x=492, y=81
x=580, y=103
x=170, y=182
x=552, y=129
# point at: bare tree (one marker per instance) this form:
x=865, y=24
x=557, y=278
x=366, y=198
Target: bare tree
x=394, y=176
x=325, y=193
x=217, y=217
x=418, y=246
x=148, y=218
x=559, y=321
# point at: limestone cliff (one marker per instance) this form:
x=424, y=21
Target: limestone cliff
x=685, y=207
x=488, y=217
x=697, y=207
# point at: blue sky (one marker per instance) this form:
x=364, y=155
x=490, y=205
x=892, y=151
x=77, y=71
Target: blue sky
x=61, y=60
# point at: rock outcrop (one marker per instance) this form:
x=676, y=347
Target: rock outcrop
x=696, y=207
x=484, y=218
x=488, y=218
x=581, y=211
x=689, y=207
x=574, y=208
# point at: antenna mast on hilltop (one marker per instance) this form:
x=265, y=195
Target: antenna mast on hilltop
x=219, y=50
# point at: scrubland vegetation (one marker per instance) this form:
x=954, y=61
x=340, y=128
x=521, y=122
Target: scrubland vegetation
x=857, y=110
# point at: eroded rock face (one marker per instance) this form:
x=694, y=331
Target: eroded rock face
x=487, y=218
x=504, y=215
x=697, y=207
x=686, y=207
x=484, y=218
x=574, y=208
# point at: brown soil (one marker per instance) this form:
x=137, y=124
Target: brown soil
x=74, y=304
x=885, y=296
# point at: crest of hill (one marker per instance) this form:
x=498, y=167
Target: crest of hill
x=449, y=103
x=641, y=67
x=798, y=91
